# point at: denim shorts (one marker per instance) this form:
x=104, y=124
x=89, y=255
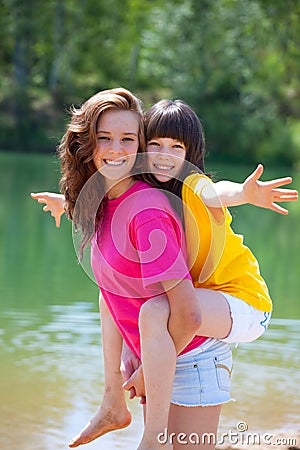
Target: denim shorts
x=203, y=375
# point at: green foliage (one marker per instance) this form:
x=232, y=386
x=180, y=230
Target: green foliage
x=235, y=61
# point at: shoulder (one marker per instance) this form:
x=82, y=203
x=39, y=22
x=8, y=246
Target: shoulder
x=193, y=186
x=198, y=192
x=150, y=197
x=196, y=182
x=148, y=190
x=149, y=204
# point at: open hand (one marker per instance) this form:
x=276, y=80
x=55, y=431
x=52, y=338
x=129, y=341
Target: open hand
x=266, y=193
x=53, y=203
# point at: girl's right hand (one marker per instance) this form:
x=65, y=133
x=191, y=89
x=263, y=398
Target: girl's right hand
x=53, y=203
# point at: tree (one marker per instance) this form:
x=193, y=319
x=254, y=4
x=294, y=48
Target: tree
x=235, y=61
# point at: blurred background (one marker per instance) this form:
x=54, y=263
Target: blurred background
x=237, y=63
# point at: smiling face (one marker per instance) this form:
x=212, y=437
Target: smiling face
x=165, y=157
x=175, y=139
x=117, y=145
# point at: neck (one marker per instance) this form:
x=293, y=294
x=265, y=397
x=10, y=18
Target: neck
x=116, y=189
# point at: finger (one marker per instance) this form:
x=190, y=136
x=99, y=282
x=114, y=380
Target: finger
x=132, y=393
x=131, y=389
x=284, y=195
x=57, y=221
x=38, y=195
x=285, y=198
x=259, y=169
x=56, y=218
x=257, y=172
x=279, y=209
x=46, y=208
x=127, y=385
x=286, y=191
x=279, y=182
x=143, y=400
x=289, y=192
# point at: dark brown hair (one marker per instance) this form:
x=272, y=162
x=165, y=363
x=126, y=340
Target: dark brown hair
x=175, y=119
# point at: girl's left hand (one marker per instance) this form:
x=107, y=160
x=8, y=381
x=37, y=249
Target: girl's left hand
x=136, y=381
x=266, y=193
x=129, y=363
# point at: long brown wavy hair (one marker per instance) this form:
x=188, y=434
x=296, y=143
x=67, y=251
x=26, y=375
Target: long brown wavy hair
x=76, y=152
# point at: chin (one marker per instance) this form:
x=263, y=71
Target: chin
x=163, y=178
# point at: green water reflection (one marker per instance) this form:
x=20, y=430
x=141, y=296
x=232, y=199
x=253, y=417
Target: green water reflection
x=51, y=366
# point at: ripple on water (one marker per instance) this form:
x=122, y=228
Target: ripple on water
x=52, y=378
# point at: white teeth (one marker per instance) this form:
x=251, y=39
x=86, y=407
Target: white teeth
x=113, y=163
x=160, y=167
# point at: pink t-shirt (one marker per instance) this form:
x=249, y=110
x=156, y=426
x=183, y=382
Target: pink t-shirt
x=139, y=244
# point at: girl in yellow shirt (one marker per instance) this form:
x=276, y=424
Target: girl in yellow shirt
x=223, y=269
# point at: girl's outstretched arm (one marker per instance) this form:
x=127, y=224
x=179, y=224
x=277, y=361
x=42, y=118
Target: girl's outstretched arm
x=264, y=194
x=53, y=203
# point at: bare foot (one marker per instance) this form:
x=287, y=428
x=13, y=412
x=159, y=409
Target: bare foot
x=106, y=419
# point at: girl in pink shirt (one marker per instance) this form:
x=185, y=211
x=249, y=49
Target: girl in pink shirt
x=137, y=240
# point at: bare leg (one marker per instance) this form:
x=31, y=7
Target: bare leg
x=199, y=425
x=158, y=360
x=113, y=413
x=213, y=309
x=216, y=319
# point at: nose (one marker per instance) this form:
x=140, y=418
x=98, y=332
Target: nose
x=115, y=146
x=164, y=151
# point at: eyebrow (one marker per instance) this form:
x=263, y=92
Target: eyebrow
x=126, y=133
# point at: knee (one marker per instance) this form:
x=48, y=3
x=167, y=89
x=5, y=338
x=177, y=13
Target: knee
x=190, y=312
x=154, y=312
x=188, y=319
x=194, y=318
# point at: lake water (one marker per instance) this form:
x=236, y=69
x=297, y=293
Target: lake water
x=51, y=377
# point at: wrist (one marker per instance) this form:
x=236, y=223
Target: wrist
x=243, y=195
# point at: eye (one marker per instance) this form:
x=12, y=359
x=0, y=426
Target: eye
x=128, y=139
x=179, y=146
x=153, y=144
x=102, y=138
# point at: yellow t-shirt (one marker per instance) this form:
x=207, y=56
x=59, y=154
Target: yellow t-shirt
x=217, y=257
